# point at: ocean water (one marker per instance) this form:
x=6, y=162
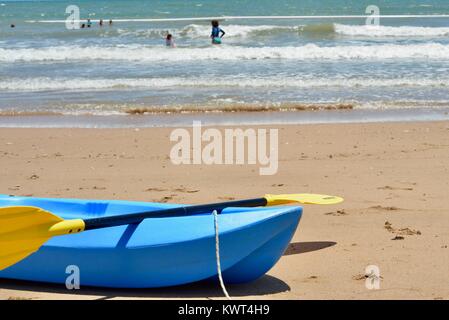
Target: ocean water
x=277, y=64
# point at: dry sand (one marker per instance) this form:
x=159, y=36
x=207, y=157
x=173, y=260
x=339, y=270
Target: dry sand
x=394, y=177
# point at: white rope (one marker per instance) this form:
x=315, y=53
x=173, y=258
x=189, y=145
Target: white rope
x=217, y=255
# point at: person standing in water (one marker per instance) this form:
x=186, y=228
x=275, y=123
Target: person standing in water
x=217, y=32
x=169, y=42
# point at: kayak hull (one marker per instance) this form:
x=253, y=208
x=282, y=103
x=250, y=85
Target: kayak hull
x=158, y=252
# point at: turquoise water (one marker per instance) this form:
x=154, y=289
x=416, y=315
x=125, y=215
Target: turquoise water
x=54, y=9
x=111, y=70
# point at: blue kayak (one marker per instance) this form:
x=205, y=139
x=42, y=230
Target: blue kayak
x=157, y=252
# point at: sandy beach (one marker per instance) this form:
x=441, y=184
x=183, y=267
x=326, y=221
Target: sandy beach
x=393, y=176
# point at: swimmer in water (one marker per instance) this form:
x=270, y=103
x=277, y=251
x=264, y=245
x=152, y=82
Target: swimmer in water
x=101, y=22
x=89, y=23
x=216, y=30
x=169, y=42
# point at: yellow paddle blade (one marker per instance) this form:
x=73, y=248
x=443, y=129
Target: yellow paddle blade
x=23, y=230
x=304, y=198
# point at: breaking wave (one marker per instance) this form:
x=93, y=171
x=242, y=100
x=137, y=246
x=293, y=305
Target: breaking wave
x=370, y=31
x=82, y=84
x=140, y=53
x=386, y=31
x=198, y=31
x=201, y=31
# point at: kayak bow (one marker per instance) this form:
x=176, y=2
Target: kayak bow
x=24, y=229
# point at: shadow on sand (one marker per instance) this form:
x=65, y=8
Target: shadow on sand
x=263, y=286
x=303, y=247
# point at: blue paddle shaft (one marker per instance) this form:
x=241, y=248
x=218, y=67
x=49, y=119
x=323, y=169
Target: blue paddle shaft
x=132, y=218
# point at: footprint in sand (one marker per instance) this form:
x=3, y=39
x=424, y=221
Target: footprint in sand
x=156, y=189
x=311, y=279
x=336, y=213
x=400, y=232
x=180, y=189
x=277, y=185
x=226, y=198
x=360, y=276
x=184, y=190
x=394, y=188
x=381, y=208
x=167, y=198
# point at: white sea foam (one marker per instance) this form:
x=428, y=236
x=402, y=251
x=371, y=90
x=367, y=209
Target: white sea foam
x=201, y=31
x=82, y=84
x=387, y=31
x=140, y=53
x=196, y=31
x=404, y=104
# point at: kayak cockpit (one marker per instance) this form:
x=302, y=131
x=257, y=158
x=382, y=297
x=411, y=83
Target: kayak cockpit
x=84, y=209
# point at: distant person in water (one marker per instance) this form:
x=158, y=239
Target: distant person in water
x=169, y=42
x=217, y=32
x=13, y=25
x=110, y=22
x=83, y=25
x=89, y=23
x=101, y=22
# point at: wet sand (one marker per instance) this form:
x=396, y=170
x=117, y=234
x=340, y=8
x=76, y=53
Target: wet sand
x=394, y=177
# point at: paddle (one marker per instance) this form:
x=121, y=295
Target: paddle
x=23, y=230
